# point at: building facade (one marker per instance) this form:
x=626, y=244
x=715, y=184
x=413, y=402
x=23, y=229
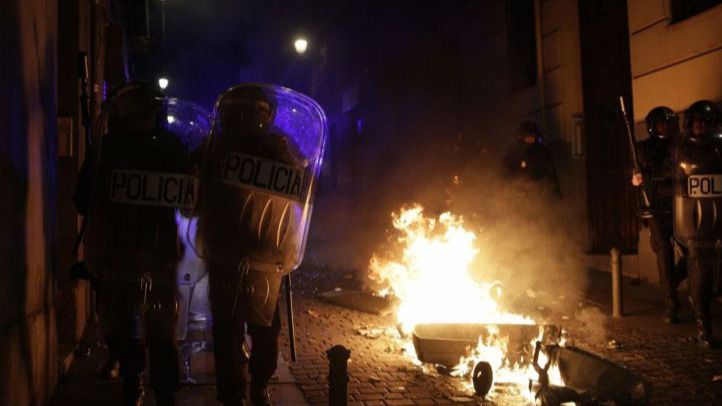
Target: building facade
x=676, y=59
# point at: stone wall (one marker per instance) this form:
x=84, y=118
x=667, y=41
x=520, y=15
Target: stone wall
x=28, y=349
x=673, y=64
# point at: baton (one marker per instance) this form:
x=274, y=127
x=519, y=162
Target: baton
x=644, y=205
x=83, y=76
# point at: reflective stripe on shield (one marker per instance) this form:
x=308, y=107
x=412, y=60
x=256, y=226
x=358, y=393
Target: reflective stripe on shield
x=154, y=189
x=263, y=175
x=701, y=186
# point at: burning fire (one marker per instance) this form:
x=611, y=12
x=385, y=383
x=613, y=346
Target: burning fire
x=431, y=279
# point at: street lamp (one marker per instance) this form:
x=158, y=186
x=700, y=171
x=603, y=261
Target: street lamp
x=301, y=44
x=163, y=83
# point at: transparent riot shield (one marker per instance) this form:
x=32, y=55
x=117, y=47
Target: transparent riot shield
x=191, y=123
x=260, y=172
x=141, y=172
x=194, y=325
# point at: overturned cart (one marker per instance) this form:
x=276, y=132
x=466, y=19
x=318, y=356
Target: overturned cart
x=587, y=379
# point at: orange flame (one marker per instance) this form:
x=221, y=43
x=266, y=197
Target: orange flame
x=430, y=277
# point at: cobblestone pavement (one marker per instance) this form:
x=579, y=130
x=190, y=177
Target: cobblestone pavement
x=81, y=385
x=665, y=355
x=382, y=373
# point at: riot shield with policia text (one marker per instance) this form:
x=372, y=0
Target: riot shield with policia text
x=262, y=161
x=138, y=174
x=698, y=190
x=260, y=171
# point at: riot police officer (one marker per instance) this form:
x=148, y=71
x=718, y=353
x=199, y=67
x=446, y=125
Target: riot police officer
x=697, y=194
x=657, y=164
x=135, y=178
x=528, y=158
x=251, y=114
x=255, y=205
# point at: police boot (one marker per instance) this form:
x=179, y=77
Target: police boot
x=260, y=396
x=671, y=310
x=133, y=391
x=705, y=338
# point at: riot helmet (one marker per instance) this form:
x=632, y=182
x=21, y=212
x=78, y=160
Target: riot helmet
x=134, y=110
x=701, y=121
x=529, y=133
x=246, y=109
x=662, y=123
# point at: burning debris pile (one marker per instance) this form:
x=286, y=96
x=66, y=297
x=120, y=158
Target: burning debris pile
x=458, y=322
x=431, y=277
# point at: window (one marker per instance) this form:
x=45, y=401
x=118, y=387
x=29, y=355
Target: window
x=521, y=43
x=682, y=9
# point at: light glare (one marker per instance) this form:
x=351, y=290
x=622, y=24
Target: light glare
x=163, y=83
x=301, y=45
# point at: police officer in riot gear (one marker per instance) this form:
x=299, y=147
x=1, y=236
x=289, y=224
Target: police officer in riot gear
x=260, y=171
x=528, y=158
x=135, y=178
x=697, y=194
x=245, y=120
x=657, y=164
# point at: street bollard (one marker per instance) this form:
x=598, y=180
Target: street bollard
x=617, y=304
x=338, y=375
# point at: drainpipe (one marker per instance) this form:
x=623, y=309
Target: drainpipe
x=617, y=303
x=540, y=62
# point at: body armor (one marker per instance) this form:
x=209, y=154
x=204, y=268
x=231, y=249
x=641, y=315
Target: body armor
x=139, y=175
x=260, y=173
x=698, y=194
x=697, y=204
x=657, y=164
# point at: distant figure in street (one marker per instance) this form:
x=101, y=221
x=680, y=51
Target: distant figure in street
x=656, y=160
x=528, y=158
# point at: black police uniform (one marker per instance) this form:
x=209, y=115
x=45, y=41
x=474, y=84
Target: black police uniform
x=657, y=164
x=241, y=295
x=227, y=289
x=531, y=161
x=696, y=224
x=126, y=243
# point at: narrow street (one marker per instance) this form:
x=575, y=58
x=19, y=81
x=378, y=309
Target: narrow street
x=474, y=202
x=381, y=371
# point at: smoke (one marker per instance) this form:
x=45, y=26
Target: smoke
x=528, y=238
x=434, y=123
x=593, y=322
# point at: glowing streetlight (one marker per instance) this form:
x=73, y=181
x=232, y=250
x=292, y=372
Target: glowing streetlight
x=301, y=45
x=163, y=83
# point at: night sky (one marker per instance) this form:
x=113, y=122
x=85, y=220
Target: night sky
x=213, y=45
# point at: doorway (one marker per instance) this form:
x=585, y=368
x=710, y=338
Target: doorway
x=606, y=75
